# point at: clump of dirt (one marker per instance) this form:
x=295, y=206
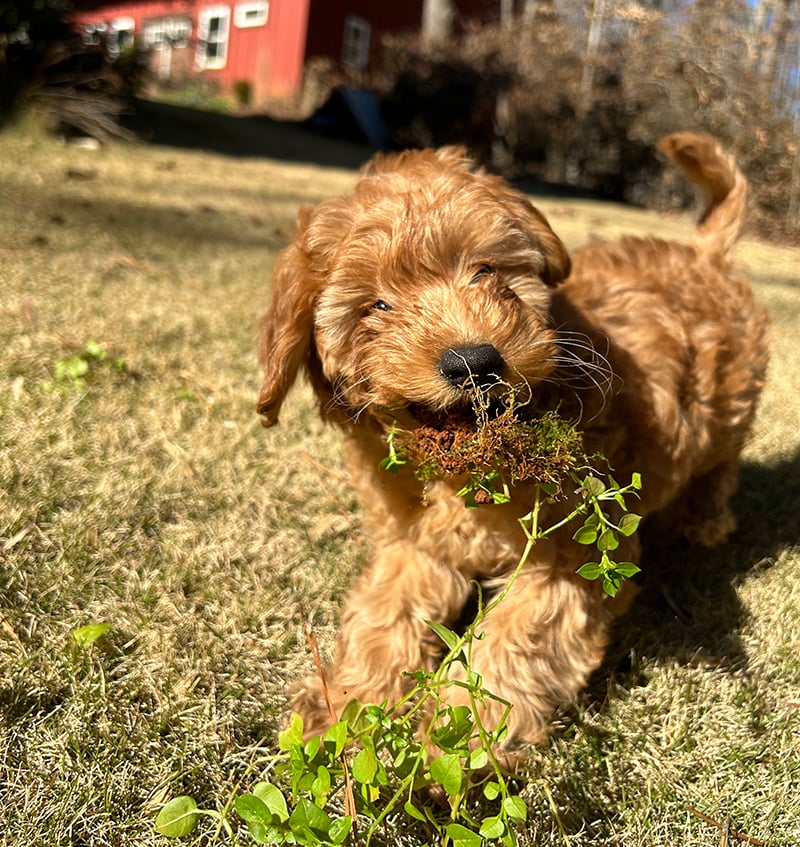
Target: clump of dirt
x=542, y=450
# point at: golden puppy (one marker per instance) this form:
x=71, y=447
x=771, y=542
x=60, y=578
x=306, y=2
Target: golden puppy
x=435, y=274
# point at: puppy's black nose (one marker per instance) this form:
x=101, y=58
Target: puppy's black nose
x=472, y=366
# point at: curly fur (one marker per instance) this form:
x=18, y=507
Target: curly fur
x=652, y=344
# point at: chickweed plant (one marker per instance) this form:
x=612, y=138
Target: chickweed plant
x=423, y=759
x=72, y=371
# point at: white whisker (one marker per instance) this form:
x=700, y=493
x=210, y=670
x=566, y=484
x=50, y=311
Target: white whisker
x=580, y=365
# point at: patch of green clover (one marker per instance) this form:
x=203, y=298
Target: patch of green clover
x=85, y=636
x=380, y=764
x=71, y=372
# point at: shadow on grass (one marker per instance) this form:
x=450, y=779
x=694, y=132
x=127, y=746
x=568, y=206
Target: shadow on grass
x=143, y=225
x=170, y=125
x=688, y=610
x=688, y=607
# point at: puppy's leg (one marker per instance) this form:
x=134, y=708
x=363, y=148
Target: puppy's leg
x=701, y=513
x=539, y=646
x=383, y=633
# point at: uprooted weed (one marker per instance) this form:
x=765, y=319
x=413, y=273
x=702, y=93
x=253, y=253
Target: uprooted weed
x=543, y=450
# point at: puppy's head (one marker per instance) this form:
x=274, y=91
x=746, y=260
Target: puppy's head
x=431, y=281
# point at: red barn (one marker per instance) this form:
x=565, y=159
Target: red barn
x=263, y=43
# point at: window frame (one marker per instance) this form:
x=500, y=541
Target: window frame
x=356, y=41
x=204, y=18
x=242, y=10
x=173, y=31
x=120, y=35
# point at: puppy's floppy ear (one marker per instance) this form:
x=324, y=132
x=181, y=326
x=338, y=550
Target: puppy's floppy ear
x=558, y=263
x=286, y=328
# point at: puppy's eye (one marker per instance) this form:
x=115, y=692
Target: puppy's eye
x=482, y=272
x=381, y=306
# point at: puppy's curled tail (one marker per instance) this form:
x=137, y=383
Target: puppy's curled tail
x=707, y=165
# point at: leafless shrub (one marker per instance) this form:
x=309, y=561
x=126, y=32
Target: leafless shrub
x=580, y=98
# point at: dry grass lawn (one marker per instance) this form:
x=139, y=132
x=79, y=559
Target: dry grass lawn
x=149, y=498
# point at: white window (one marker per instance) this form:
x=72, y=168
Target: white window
x=153, y=35
x=166, y=32
x=251, y=14
x=355, y=41
x=94, y=34
x=213, y=29
x=120, y=36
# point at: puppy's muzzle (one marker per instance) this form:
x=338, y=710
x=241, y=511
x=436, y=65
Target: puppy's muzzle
x=472, y=366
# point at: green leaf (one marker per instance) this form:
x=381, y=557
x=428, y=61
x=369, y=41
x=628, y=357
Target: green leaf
x=462, y=837
x=627, y=569
x=593, y=487
x=469, y=488
x=413, y=812
x=629, y=524
x=292, y=736
x=252, y=809
x=448, y=772
x=273, y=798
x=178, y=818
x=340, y=829
x=365, y=766
x=305, y=781
x=321, y=786
x=392, y=463
x=515, y=808
x=354, y=715
x=491, y=790
x=457, y=729
x=376, y=715
x=310, y=819
x=94, y=350
x=336, y=736
x=448, y=636
x=611, y=584
x=478, y=759
x=493, y=827
x=636, y=481
x=608, y=540
x=86, y=635
x=312, y=746
x=71, y=369
x=585, y=535
x=261, y=834
x=591, y=570
x=474, y=680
